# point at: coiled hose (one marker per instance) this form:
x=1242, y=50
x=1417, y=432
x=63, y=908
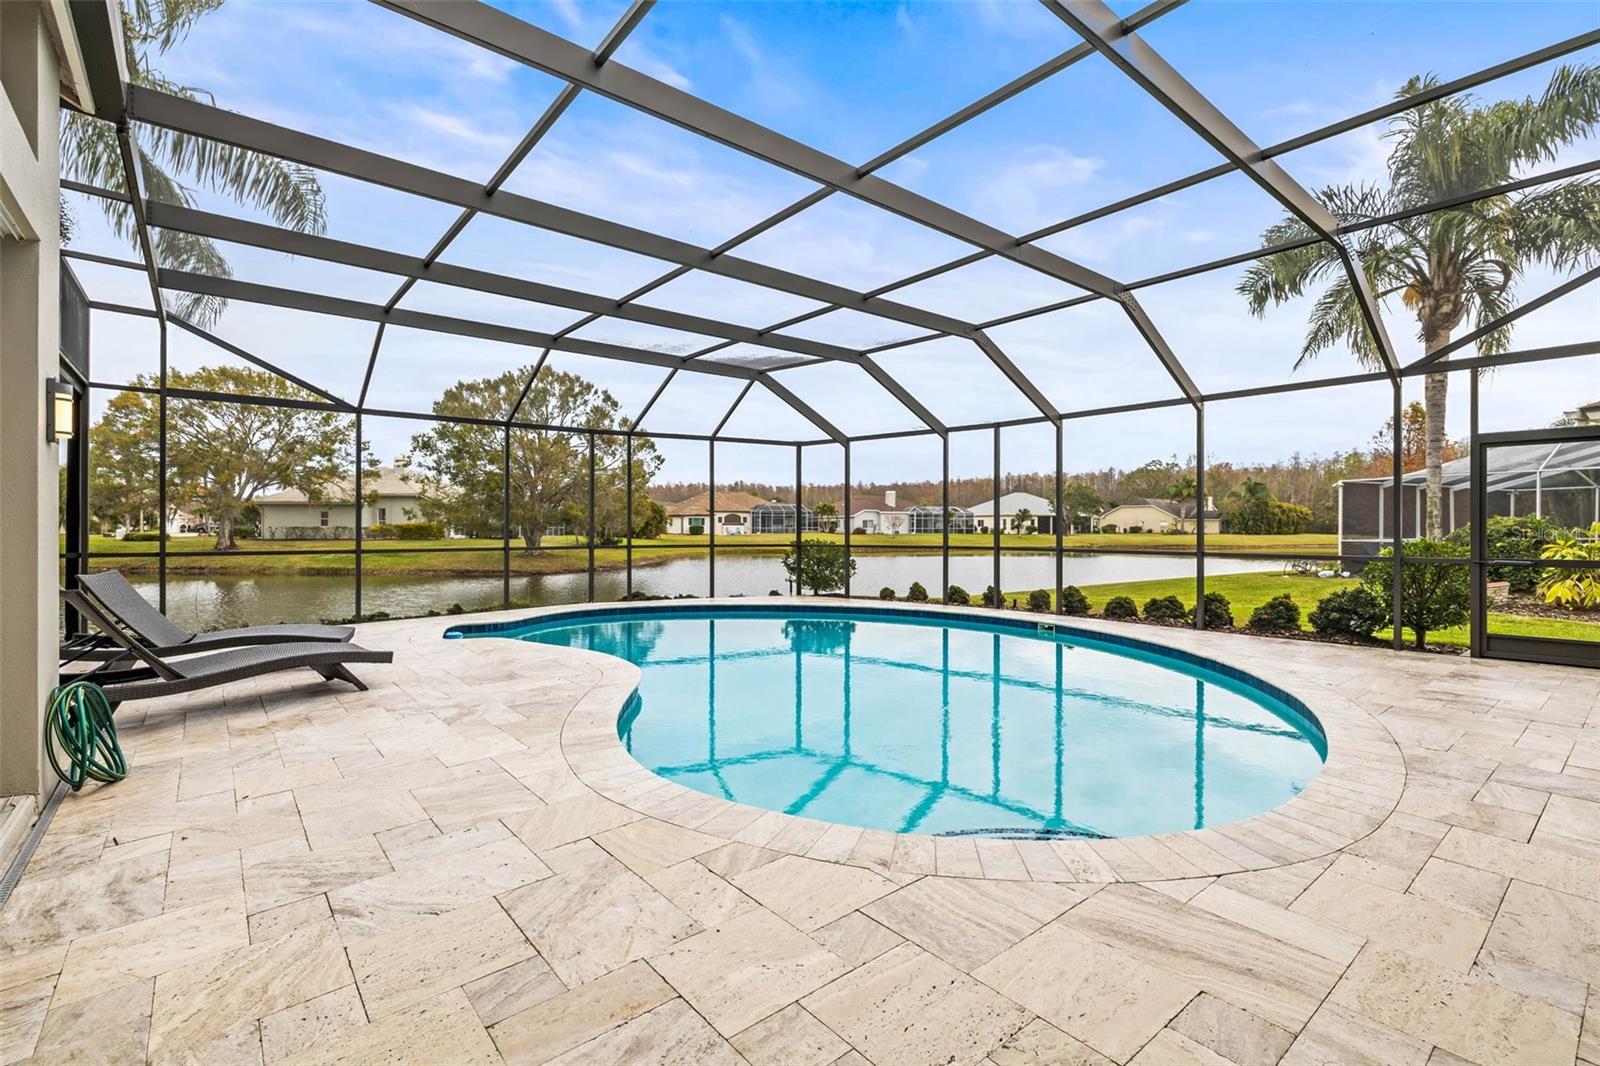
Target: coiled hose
x=79, y=724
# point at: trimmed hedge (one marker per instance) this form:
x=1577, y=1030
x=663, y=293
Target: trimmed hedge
x=958, y=595
x=1352, y=612
x=1165, y=609
x=407, y=531
x=1039, y=600
x=1121, y=607
x=1219, y=612
x=1073, y=601
x=886, y=593
x=917, y=593
x=1279, y=614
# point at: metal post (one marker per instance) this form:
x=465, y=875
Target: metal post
x=77, y=561
x=845, y=518
x=944, y=518
x=1396, y=593
x=1479, y=621
x=359, y=510
x=1199, y=515
x=1060, y=560
x=799, y=549
x=627, y=566
x=505, y=521
x=711, y=517
x=591, y=516
x=161, y=471
x=994, y=518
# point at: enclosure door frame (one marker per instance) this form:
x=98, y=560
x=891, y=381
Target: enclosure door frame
x=1485, y=645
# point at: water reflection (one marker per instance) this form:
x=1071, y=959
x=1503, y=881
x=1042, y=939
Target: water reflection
x=945, y=730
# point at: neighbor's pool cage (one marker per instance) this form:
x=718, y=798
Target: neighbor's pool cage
x=924, y=519
x=773, y=358
x=779, y=518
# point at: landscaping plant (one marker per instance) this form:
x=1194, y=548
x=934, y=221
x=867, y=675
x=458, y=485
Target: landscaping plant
x=1039, y=600
x=1433, y=595
x=1219, y=612
x=886, y=593
x=820, y=566
x=1073, y=601
x=1352, y=612
x=1278, y=615
x=1121, y=607
x=1165, y=609
x=957, y=595
x=1573, y=589
x=916, y=593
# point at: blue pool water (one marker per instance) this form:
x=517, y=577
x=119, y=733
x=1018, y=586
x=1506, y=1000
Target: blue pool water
x=931, y=726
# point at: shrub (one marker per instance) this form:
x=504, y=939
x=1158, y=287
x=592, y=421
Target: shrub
x=1279, y=614
x=1165, y=609
x=1135, y=528
x=1039, y=600
x=1219, y=612
x=820, y=566
x=1521, y=537
x=1433, y=595
x=992, y=598
x=141, y=535
x=958, y=595
x=1352, y=612
x=916, y=593
x=886, y=593
x=1073, y=601
x=407, y=531
x=1109, y=527
x=1121, y=607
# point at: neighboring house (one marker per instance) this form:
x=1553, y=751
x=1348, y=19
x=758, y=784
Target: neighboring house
x=292, y=515
x=1041, y=513
x=1156, y=516
x=879, y=513
x=1586, y=415
x=691, y=516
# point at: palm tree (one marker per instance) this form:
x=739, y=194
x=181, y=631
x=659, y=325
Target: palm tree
x=90, y=153
x=1446, y=265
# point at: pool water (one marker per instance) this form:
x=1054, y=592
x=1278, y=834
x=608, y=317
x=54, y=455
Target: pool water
x=925, y=725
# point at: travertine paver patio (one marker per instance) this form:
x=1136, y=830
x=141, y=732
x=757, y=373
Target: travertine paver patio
x=456, y=867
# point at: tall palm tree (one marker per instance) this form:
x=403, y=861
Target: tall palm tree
x=90, y=153
x=1446, y=265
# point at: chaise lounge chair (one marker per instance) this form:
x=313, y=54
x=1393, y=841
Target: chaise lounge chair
x=123, y=604
x=162, y=676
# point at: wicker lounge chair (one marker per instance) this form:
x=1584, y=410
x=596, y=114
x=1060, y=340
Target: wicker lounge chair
x=122, y=602
x=157, y=675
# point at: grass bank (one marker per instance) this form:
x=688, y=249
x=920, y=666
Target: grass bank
x=197, y=555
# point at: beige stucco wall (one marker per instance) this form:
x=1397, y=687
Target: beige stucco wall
x=29, y=353
x=283, y=515
x=1151, y=518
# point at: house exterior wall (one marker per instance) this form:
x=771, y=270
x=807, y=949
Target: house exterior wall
x=30, y=344
x=732, y=523
x=277, y=518
x=1151, y=518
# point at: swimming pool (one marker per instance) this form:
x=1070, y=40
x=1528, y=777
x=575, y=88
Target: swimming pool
x=929, y=722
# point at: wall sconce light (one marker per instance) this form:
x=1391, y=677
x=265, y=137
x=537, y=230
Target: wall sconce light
x=60, y=410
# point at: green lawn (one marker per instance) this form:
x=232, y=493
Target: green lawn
x=422, y=557
x=1246, y=592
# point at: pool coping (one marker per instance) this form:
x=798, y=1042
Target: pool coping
x=1359, y=785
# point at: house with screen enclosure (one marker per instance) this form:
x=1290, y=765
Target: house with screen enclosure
x=692, y=516
x=1558, y=481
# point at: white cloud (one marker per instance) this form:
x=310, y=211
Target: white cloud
x=1020, y=192
x=770, y=83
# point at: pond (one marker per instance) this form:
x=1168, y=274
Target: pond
x=218, y=601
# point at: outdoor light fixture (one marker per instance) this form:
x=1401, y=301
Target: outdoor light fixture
x=60, y=410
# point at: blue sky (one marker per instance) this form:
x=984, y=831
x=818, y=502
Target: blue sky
x=855, y=79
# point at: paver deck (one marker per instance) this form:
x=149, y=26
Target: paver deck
x=461, y=865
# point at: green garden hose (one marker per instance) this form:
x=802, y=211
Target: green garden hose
x=80, y=724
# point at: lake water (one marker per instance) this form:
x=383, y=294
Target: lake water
x=214, y=602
